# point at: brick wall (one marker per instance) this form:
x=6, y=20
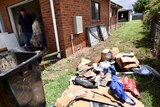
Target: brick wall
x=46, y=16
x=114, y=20
x=69, y=9
x=48, y=24
x=4, y=12
x=65, y=11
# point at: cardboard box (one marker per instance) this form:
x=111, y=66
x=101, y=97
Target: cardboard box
x=126, y=61
x=104, y=55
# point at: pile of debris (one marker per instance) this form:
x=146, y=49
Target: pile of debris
x=99, y=83
x=7, y=62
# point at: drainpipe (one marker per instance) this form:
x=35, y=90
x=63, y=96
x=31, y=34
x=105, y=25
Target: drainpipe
x=109, y=19
x=55, y=27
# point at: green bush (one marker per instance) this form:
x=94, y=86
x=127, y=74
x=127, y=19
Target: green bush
x=152, y=10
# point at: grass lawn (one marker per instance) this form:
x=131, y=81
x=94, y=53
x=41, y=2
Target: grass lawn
x=131, y=36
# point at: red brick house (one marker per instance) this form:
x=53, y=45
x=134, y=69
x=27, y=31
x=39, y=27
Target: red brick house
x=92, y=11
x=114, y=15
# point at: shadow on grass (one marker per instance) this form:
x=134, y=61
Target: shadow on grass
x=145, y=41
x=149, y=88
x=149, y=85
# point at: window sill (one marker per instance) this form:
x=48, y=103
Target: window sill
x=98, y=20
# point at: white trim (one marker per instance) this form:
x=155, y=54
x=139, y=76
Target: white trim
x=109, y=17
x=55, y=27
x=11, y=15
x=2, y=28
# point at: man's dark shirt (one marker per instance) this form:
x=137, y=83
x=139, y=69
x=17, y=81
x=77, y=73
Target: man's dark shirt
x=26, y=22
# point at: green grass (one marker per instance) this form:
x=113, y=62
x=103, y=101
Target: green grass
x=54, y=87
x=131, y=36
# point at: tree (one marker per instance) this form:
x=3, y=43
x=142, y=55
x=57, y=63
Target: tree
x=139, y=6
x=152, y=10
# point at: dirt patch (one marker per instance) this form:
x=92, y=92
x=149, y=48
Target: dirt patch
x=63, y=65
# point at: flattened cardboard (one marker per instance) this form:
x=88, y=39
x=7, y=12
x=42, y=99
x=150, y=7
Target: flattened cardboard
x=89, y=73
x=81, y=103
x=83, y=63
x=101, y=94
x=106, y=79
x=69, y=95
x=115, y=51
x=138, y=103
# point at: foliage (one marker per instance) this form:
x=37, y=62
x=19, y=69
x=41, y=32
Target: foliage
x=151, y=10
x=139, y=6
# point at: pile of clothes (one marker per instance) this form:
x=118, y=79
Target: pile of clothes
x=98, y=84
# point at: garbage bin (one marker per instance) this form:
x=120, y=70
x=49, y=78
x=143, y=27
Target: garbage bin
x=20, y=80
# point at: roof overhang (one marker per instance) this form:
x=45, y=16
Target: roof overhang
x=115, y=5
x=123, y=10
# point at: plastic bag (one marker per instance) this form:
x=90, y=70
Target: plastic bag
x=117, y=89
x=129, y=85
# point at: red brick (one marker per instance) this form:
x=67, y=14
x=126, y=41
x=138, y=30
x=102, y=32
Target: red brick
x=65, y=11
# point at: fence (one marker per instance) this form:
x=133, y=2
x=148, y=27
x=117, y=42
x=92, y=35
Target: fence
x=155, y=32
x=119, y=24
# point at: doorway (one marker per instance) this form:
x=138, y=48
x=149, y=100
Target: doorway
x=32, y=7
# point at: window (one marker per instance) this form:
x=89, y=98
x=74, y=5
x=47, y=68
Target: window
x=95, y=10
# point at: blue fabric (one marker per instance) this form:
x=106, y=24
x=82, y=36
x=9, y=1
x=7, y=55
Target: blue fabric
x=117, y=88
x=110, y=69
x=27, y=38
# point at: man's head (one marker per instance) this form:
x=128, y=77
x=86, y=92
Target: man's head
x=22, y=11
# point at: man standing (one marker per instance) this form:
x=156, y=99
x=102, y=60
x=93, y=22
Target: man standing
x=25, y=22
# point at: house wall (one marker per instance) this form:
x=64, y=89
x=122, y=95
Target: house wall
x=70, y=8
x=114, y=18
x=46, y=16
x=65, y=11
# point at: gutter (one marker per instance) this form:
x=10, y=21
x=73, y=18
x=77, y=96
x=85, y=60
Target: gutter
x=55, y=28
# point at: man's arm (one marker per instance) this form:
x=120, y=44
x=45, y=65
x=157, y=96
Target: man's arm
x=19, y=29
x=19, y=26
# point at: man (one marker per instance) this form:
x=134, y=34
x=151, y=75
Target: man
x=25, y=22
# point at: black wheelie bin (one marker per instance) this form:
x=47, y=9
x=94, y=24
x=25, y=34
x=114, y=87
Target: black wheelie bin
x=20, y=80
